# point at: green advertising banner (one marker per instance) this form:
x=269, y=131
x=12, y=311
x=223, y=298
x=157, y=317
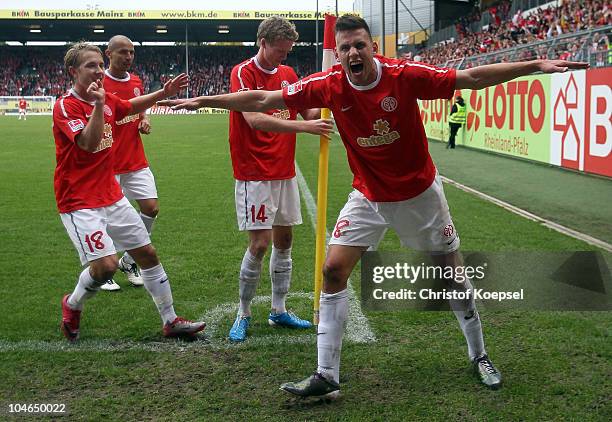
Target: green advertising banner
x=511, y=118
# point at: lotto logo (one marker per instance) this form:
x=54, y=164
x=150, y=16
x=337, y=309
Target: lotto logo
x=473, y=121
x=76, y=125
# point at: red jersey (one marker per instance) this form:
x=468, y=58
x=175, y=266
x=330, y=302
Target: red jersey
x=85, y=179
x=128, y=149
x=259, y=155
x=23, y=104
x=380, y=124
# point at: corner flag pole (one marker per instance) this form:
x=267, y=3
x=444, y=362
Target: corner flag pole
x=329, y=43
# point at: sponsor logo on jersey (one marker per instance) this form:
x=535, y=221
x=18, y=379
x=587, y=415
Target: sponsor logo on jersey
x=107, y=138
x=347, y=108
x=243, y=89
x=383, y=135
x=284, y=84
x=137, y=92
x=282, y=114
x=128, y=119
x=294, y=88
x=388, y=104
x=107, y=110
x=76, y=125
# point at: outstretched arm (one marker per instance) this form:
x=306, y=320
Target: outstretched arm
x=256, y=100
x=171, y=88
x=492, y=74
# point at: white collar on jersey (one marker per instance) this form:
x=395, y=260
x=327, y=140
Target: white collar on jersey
x=373, y=84
x=78, y=97
x=260, y=67
x=127, y=78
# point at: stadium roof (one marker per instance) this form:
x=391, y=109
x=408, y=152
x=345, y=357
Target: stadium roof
x=146, y=26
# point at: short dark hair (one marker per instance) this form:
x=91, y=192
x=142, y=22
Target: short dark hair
x=351, y=22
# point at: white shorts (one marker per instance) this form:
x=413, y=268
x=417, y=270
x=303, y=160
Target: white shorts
x=100, y=232
x=422, y=223
x=263, y=204
x=139, y=184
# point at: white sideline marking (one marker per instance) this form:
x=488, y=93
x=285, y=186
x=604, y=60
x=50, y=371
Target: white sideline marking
x=526, y=214
x=357, y=328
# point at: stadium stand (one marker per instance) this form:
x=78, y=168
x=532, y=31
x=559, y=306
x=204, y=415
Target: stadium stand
x=570, y=29
x=40, y=71
x=578, y=18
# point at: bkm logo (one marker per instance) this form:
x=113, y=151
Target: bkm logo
x=563, y=120
x=581, y=121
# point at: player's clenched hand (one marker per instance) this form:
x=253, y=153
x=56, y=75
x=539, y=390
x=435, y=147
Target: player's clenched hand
x=176, y=85
x=96, y=90
x=181, y=104
x=323, y=127
x=554, y=66
x=144, y=126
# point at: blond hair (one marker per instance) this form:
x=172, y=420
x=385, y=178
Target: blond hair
x=276, y=28
x=75, y=52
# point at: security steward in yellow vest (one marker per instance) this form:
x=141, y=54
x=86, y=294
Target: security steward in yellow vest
x=456, y=120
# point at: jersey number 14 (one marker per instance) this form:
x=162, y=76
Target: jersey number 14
x=261, y=214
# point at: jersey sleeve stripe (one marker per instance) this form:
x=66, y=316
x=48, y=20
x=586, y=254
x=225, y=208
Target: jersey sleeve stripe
x=416, y=65
x=62, y=107
x=318, y=78
x=240, y=71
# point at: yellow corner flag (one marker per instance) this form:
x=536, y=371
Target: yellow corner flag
x=329, y=59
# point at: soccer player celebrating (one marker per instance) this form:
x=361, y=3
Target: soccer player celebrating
x=374, y=102
x=92, y=207
x=262, y=147
x=131, y=166
x=23, y=106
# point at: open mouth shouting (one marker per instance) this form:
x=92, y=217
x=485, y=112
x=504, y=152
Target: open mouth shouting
x=356, y=68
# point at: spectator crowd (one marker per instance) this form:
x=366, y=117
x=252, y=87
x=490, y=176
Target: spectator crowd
x=40, y=70
x=505, y=31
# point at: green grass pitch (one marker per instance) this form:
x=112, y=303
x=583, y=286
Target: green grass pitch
x=556, y=365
